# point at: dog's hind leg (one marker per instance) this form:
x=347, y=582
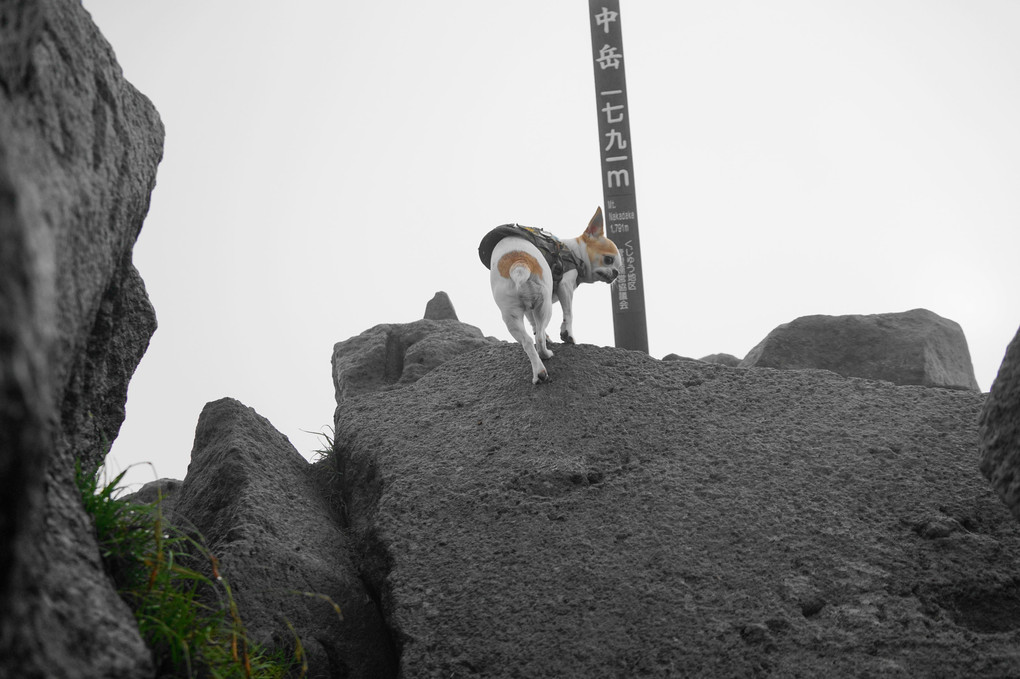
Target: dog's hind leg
x=540, y=317
x=515, y=324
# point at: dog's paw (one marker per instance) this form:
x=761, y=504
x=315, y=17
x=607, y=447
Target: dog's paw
x=565, y=337
x=542, y=376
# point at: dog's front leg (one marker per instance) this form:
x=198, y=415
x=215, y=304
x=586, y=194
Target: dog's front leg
x=565, y=294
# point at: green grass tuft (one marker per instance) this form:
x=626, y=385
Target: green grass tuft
x=327, y=443
x=326, y=473
x=159, y=571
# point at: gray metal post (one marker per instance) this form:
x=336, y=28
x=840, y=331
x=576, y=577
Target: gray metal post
x=629, y=324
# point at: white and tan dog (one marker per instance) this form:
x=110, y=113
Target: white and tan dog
x=523, y=283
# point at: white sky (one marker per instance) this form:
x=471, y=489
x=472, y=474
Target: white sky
x=329, y=165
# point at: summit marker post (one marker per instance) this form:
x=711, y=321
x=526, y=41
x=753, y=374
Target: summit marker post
x=629, y=324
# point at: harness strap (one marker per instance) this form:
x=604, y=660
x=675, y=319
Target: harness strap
x=558, y=255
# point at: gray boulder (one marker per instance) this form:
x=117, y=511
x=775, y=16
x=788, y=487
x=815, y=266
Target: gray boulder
x=79, y=149
x=721, y=359
x=255, y=501
x=160, y=490
x=913, y=347
x=1000, y=430
x=677, y=357
x=96, y=392
x=440, y=308
x=394, y=355
x=652, y=518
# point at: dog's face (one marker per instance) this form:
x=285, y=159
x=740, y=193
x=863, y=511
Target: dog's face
x=604, y=261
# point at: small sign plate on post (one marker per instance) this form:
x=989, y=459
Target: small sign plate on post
x=617, y=153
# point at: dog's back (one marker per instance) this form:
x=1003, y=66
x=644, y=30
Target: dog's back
x=522, y=286
x=519, y=275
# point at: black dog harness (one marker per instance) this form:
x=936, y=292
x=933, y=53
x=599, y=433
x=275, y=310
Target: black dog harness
x=558, y=255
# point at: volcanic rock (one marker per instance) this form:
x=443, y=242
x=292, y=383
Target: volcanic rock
x=440, y=308
x=394, y=355
x=161, y=490
x=721, y=359
x=913, y=347
x=637, y=517
x=78, y=154
x=255, y=501
x=1000, y=430
x=677, y=357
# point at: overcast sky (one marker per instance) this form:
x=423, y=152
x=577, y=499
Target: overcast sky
x=329, y=165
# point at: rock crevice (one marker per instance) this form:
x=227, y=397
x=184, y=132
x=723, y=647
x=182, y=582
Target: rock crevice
x=259, y=507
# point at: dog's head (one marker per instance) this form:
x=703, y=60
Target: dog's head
x=604, y=261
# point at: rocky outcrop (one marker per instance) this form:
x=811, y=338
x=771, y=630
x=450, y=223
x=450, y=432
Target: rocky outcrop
x=677, y=357
x=440, y=308
x=254, y=499
x=674, y=518
x=94, y=399
x=913, y=347
x=78, y=154
x=162, y=491
x=721, y=359
x=1000, y=430
x=394, y=355
x=718, y=359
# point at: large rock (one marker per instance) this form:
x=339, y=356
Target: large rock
x=96, y=392
x=162, y=491
x=440, y=308
x=78, y=154
x=394, y=355
x=1000, y=430
x=721, y=359
x=254, y=499
x=913, y=347
x=654, y=518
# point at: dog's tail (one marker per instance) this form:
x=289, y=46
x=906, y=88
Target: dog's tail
x=520, y=274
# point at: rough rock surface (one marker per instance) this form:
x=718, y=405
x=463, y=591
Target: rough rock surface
x=440, y=308
x=636, y=517
x=677, y=357
x=96, y=393
x=913, y=347
x=254, y=499
x=721, y=359
x=161, y=490
x=78, y=154
x=394, y=355
x=1000, y=430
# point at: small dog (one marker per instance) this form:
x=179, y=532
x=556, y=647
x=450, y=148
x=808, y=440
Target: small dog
x=528, y=272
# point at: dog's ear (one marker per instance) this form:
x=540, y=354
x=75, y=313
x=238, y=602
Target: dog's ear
x=595, y=229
